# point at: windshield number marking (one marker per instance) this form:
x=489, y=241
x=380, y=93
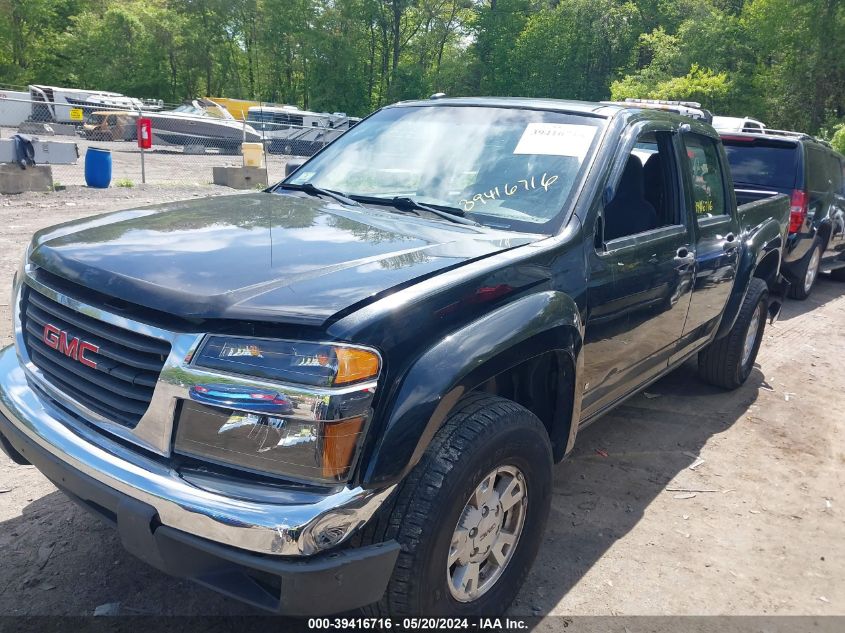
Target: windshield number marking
x=546, y=181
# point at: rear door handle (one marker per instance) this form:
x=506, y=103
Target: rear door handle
x=684, y=256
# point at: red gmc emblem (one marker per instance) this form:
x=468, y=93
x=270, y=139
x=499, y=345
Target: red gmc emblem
x=72, y=347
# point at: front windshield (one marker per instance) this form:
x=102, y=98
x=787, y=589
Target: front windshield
x=504, y=167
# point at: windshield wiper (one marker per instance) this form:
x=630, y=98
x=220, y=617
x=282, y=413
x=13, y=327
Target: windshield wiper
x=404, y=203
x=314, y=190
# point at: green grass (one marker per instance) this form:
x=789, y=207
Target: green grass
x=124, y=182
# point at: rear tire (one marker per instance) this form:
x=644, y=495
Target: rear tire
x=728, y=361
x=807, y=273
x=487, y=445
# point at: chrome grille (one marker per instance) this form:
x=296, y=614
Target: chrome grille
x=128, y=364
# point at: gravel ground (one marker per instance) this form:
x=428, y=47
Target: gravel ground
x=763, y=537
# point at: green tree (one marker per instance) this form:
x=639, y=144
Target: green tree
x=800, y=73
x=780, y=60
x=838, y=140
x=574, y=49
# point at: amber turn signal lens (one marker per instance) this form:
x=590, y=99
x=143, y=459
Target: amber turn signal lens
x=355, y=364
x=339, y=442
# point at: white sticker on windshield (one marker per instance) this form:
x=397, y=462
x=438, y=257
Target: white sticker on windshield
x=556, y=139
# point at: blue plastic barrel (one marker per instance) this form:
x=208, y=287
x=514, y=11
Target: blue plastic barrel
x=97, y=168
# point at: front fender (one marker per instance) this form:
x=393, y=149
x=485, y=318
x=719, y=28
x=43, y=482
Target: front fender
x=763, y=241
x=461, y=361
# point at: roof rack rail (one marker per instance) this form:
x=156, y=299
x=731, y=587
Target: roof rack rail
x=793, y=134
x=686, y=104
x=691, y=109
x=769, y=130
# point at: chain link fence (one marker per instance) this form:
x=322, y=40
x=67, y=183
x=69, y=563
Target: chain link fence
x=189, y=139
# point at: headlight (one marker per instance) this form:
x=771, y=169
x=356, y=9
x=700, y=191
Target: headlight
x=295, y=413
x=295, y=362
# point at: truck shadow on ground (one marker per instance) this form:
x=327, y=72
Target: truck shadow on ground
x=826, y=290
x=58, y=559
x=649, y=441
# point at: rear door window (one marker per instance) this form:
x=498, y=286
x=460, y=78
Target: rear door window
x=707, y=185
x=763, y=163
x=835, y=172
x=819, y=170
x=841, y=178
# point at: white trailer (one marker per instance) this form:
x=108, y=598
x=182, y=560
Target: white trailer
x=14, y=107
x=294, y=132
x=51, y=104
x=277, y=120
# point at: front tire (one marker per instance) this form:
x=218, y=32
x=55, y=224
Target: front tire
x=807, y=273
x=728, y=361
x=470, y=516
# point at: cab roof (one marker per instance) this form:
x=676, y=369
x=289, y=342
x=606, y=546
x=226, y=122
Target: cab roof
x=557, y=105
x=609, y=110
x=605, y=110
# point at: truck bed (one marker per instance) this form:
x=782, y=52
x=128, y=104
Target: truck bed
x=774, y=207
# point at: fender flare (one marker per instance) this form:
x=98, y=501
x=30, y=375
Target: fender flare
x=458, y=363
x=767, y=239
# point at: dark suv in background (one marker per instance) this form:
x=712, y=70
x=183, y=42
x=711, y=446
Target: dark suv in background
x=811, y=173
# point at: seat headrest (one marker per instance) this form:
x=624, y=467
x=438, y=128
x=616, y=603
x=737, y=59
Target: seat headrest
x=653, y=164
x=631, y=184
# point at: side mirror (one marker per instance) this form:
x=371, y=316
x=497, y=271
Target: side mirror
x=292, y=165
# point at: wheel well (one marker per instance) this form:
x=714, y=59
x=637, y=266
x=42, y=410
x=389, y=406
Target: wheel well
x=545, y=386
x=767, y=269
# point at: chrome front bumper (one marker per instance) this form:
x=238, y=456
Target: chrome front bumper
x=298, y=525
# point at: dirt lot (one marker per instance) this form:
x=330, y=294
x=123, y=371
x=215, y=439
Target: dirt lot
x=624, y=538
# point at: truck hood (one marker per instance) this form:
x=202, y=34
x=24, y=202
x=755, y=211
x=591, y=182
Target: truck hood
x=262, y=257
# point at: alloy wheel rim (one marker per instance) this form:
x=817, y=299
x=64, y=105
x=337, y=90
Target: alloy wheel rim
x=812, y=271
x=751, y=336
x=487, y=533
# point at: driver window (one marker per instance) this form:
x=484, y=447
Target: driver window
x=645, y=197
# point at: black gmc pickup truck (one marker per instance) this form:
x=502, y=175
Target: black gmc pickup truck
x=350, y=390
